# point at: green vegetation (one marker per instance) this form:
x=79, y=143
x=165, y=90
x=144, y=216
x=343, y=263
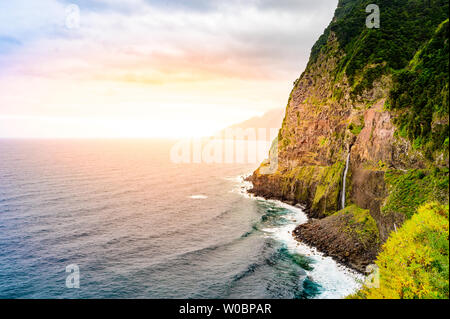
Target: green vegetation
x=326, y=196
x=401, y=47
x=283, y=139
x=405, y=26
x=408, y=190
x=406, y=62
x=355, y=129
x=411, y=47
x=319, y=183
x=414, y=261
x=360, y=225
x=322, y=140
x=367, y=79
x=420, y=94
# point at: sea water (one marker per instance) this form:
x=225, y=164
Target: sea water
x=139, y=226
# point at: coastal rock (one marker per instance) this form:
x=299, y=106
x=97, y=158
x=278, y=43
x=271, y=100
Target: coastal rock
x=330, y=113
x=354, y=246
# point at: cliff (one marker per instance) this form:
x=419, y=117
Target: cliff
x=381, y=96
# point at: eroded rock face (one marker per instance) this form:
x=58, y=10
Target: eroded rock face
x=314, y=126
x=315, y=133
x=318, y=131
x=316, y=187
x=334, y=237
x=368, y=191
x=267, y=185
x=375, y=142
x=337, y=110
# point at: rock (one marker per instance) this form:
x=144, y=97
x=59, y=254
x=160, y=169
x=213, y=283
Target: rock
x=323, y=122
x=327, y=236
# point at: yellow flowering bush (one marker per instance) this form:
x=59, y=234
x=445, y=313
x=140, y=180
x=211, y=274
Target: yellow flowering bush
x=414, y=260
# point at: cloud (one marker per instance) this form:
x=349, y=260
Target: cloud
x=267, y=36
x=236, y=57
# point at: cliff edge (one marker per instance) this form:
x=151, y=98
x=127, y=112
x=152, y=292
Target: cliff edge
x=379, y=97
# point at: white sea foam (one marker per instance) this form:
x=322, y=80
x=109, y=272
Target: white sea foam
x=242, y=186
x=336, y=280
x=198, y=196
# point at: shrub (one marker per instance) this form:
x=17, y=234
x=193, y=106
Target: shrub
x=420, y=95
x=408, y=190
x=414, y=260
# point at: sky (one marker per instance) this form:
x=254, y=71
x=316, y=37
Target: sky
x=142, y=68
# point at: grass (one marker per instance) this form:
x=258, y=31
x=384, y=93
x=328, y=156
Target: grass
x=414, y=261
x=408, y=190
x=360, y=225
x=355, y=129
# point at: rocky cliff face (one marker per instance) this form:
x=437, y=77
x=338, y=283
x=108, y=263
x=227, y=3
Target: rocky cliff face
x=340, y=106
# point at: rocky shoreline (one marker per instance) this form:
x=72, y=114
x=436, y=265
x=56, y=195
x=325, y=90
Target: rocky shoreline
x=326, y=235
x=355, y=149
x=331, y=242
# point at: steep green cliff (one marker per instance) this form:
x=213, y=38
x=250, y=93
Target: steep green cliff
x=380, y=94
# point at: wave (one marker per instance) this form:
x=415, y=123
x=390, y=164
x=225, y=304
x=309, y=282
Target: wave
x=336, y=280
x=198, y=196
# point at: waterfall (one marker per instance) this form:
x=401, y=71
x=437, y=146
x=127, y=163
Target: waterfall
x=344, y=181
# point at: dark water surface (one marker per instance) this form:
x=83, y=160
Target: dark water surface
x=139, y=226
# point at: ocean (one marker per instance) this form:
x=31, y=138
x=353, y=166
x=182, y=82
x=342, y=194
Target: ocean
x=137, y=225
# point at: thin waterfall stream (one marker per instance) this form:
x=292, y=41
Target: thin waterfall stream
x=344, y=181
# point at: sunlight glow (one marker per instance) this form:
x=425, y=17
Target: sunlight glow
x=144, y=69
